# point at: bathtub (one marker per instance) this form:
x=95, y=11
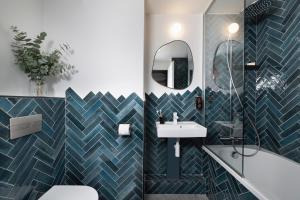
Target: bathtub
x=267, y=175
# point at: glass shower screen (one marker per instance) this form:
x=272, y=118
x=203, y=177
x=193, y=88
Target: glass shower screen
x=224, y=80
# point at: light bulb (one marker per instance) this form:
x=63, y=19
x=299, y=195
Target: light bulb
x=233, y=28
x=176, y=29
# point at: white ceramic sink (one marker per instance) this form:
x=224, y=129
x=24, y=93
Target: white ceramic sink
x=185, y=129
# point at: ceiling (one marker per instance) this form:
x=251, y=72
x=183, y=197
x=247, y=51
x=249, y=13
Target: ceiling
x=195, y=6
x=226, y=7
x=177, y=6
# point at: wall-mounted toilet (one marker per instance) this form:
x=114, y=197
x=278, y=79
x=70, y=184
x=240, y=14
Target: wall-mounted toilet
x=70, y=192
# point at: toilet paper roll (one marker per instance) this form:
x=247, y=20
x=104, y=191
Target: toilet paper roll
x=124, y=129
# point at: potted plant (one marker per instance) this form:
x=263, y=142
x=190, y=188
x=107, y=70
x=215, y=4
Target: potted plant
x=37, y=64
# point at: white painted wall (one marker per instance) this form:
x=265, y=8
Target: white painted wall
x=106, y=35
x=157, y=34
x=27, y=15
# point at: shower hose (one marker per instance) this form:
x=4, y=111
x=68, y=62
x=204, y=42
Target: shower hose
x=245, y=112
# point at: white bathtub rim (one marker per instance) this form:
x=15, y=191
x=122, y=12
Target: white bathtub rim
x=242, y=180
x=254, y=147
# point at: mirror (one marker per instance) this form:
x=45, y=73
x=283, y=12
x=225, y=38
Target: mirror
x=173, y=65
x=228, y=53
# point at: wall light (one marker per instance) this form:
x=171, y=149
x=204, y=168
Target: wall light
x=176, y=30
x=233, y=28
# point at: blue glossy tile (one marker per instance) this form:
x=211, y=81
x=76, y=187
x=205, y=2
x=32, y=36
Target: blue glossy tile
x=22, y=158
x=5, y=104
x=89, y=96
x=4, y=118
x=75, y=121
x=93, y=153
x=19, y=106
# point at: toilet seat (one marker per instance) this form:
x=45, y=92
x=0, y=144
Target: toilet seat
x=70, y=192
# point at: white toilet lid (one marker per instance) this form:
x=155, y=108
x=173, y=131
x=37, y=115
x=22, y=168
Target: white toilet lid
x=70, y=192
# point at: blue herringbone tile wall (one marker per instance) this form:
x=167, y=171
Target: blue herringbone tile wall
x=275, y=86
x=95, y=154
x=156, y=149
x=221, y=185
x=30, y=165
x=217, y=108
x=187, y=184
x=250, y=79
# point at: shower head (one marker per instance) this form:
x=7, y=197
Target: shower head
x=258, y=8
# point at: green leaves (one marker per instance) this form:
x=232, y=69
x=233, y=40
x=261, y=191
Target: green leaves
x=40, y=38
x=39, y=65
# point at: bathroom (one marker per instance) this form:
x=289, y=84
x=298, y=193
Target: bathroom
x=150, y=99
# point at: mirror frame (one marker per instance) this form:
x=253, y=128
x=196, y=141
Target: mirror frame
x=153, y=62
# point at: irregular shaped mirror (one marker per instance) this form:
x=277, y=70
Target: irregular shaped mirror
x=173, y=65
x=229, y=55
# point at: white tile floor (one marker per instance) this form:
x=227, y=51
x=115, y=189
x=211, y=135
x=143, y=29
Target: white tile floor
x=175, y=197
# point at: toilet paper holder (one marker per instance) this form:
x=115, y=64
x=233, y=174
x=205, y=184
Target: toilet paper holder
x=124, y=129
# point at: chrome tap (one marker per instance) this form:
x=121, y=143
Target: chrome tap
x=175, y=118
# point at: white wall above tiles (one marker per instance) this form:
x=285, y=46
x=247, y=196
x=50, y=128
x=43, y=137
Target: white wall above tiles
x=107, y=37
x=27, y=15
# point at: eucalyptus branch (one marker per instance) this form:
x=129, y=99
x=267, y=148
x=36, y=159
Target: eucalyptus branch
x=37, y=64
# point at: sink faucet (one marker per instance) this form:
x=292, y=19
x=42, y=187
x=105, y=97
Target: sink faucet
x=175, y=118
